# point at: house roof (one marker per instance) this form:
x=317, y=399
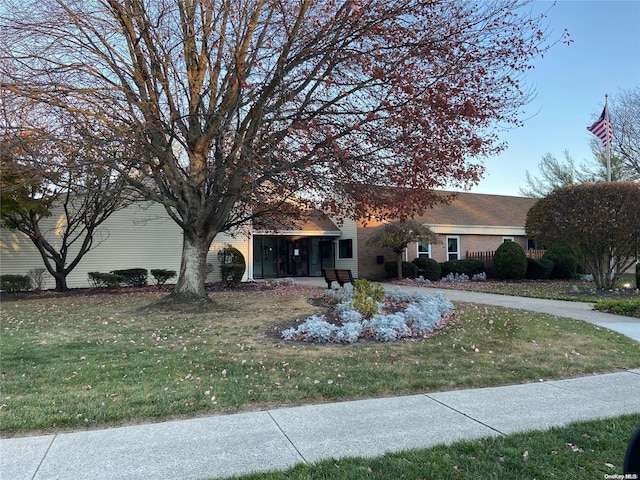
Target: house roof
x=481, y=210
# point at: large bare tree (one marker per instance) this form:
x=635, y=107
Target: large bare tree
x=625, y=116
x=240, y=105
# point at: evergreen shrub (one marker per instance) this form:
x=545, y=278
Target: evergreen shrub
x=428, y=268
x=104, y=280
x=134, y=277
x=232, y=265
x=565, y=261
x=409, y=270
x=510, y=262
x=15, y=283
x=161, y=276
x=539, y=269
x=468, y=266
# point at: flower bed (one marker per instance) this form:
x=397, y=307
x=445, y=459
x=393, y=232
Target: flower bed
x=393, y=316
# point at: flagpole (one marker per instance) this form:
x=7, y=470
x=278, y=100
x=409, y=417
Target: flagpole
x=606, y=107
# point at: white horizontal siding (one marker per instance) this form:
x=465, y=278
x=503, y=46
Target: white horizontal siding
x=349, y=231
x=139, y=236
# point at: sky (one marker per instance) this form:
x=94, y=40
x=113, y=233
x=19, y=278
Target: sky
x=570, y=83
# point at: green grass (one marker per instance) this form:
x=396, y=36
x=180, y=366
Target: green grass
x=77, y=362
x=578, y=451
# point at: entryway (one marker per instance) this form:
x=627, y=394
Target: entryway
x=292, y=256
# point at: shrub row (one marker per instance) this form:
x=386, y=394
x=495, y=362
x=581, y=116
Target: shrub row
x=510, y=263
x=629, y=307
x=135, y=277
x=431, y=270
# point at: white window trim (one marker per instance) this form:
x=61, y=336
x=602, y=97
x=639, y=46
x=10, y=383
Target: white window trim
x=426, y=254
x=508, y=239
x=457, y=237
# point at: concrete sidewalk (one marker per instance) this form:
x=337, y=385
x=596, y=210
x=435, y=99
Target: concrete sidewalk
x=221, y=446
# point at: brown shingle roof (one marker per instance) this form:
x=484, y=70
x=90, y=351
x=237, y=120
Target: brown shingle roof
x=480, y=209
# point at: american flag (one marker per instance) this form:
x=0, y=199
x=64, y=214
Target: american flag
x=602, y=128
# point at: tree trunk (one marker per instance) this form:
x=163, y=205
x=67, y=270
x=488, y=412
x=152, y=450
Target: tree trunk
x=61, y=281
x=399, y=261
x=193, y=266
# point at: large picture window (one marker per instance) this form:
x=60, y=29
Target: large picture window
x=453, y=248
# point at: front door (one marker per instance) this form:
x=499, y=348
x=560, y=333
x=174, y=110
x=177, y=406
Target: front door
x=291, y=256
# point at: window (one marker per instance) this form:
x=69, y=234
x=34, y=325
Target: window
x=508, y=239
x=424, y=250
x=453, y=248
x=345, y=248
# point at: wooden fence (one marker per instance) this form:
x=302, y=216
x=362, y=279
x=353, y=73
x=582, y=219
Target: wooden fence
x=487, y=258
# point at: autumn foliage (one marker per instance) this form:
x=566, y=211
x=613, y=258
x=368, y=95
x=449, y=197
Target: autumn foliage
x=601, y=219
x=231, y=109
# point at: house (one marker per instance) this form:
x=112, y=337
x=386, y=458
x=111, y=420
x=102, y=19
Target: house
x=143, y=236
x=472, y=222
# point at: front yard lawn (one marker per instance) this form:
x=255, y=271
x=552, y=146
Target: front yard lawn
x=70, y=362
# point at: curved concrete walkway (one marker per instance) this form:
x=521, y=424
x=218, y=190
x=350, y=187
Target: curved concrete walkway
x=277, y=439
x=629, y=326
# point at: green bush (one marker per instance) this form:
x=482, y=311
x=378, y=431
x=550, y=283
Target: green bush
x=134, y=277
x=565, y=261
x=365, y=288
x=409, y=270
x=468, y=266
x=539, y=269
x=510, y=262
x=365, y=297
x=232, y=265
x=629, y=307
x=428, y=268
x=160, y=276
x=15, y=283
x=102, y=280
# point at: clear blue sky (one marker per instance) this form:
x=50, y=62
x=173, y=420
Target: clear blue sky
x=570, y=82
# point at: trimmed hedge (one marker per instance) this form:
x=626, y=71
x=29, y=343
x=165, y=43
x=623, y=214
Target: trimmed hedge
x=539, y=269
x=510, y=262
x=135, y=277
x=104, y=280
x=160, y=276
x=409, y=270
x=15, y=283
x=468, y=266
x=629, y=307
x=428, y=268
